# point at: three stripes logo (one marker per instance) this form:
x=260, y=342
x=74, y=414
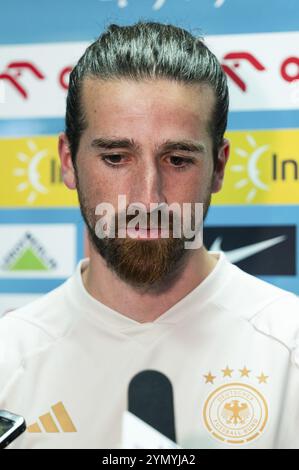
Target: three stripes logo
x=57, y=420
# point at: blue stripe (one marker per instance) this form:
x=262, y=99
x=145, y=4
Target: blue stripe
x=237, y=120
x=230, y=215
x=263, y=119
x=41, y=216
x=31, y=21
x=30, y=126
x=29, y=286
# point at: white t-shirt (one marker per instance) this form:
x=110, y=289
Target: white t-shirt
x=230, y=349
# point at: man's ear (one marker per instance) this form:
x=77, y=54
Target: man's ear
x=67, y=168
x=223, y=155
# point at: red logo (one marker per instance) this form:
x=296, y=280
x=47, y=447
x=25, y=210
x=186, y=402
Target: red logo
x=14, y=71
x=230, y=70
x=286, y=75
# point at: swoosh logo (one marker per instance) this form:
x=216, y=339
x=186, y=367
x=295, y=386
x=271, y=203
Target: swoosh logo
x=244, y=252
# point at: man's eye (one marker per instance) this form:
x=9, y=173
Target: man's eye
x=179, y=161
x=113, y=161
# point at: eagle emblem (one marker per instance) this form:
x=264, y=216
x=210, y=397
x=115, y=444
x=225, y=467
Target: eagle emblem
x=235, y=412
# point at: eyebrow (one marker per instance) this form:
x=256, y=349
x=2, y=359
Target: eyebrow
x=130, y=144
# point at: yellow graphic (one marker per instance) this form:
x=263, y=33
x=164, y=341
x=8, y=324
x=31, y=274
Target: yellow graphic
x=235, y=413
x=209, y=378
x=30, y=174
x=227, y=372
x=48, y=423
x=56, y=421
x=263, y=168
x=244, y=372
x=263, y=378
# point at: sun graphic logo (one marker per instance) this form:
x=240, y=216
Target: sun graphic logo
x=30, y=171
x=235, y=412
x=253, y=180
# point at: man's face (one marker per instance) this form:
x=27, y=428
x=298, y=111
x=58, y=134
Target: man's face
x=148, y=114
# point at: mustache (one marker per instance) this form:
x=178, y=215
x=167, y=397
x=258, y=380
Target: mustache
x=156, y=223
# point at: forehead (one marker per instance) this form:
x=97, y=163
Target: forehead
x=151, y=101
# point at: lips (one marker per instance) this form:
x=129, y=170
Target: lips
x=150, y=228
x=146, y=233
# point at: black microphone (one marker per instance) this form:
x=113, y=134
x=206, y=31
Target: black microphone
x=150, y=398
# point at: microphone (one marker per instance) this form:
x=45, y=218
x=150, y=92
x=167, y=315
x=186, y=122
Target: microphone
x=150, y=398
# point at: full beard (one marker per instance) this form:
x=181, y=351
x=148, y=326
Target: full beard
x=147, y=265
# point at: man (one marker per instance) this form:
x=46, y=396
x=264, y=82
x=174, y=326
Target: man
x=146, y=114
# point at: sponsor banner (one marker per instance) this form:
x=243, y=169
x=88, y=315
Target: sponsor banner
x=9, y=302
x=245, y=237
x=38, y=249
x=260, y=77
x=31, y=174
x=263, y=168
x=43, y=250
x=259, y=250
x=210, y=16
x=35, y=78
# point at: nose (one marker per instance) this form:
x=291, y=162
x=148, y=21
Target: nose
x=147, y=185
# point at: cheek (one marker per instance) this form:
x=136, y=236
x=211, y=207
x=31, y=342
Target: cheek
x=100, y=189
x=191, y=186
x=89, y=186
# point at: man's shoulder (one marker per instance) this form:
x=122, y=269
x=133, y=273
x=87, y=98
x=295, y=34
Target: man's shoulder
x=279, y=319
x=49, y=314
x=33, y=327
x=271, y=310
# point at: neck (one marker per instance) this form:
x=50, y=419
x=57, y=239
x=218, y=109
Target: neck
x=106, y=287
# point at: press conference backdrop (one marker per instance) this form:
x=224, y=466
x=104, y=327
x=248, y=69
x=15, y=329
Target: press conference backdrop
x=254, y=219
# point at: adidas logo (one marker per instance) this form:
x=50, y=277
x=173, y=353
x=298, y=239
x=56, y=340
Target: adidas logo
x=57, y=420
